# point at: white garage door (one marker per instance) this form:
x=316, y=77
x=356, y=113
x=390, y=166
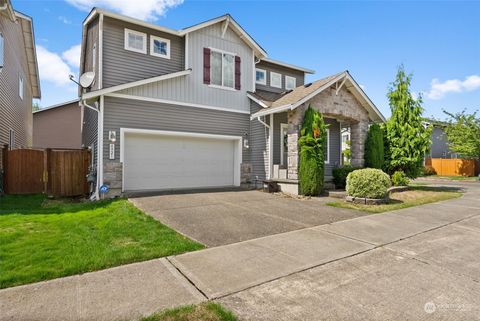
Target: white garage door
x=159, y=162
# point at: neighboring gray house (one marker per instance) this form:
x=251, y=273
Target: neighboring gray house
x=203, y=107
x=19, y=81
x=439, y=147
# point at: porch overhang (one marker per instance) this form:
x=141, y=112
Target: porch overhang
x=294, y=99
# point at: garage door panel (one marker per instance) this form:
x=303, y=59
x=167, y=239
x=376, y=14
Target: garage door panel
x=156, y=162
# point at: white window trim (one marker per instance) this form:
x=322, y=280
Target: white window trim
x=264, y=82
x=144, y=35
x=287, y=78
x=283, y=127
x=152, y=47
x=327, y=161
x=271, y=78
x=222, y=52
x=21, y=87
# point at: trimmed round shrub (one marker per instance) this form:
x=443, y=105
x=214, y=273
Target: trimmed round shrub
x=340, y=175
x=400, y=179
x=368, y=183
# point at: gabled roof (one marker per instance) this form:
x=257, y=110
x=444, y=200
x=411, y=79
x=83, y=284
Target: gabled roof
x=284, y=64
x=26, y=24
x=228, y=19
x=298, y=96
x=6, y=6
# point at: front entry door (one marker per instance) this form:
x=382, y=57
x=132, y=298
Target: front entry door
x=283, y=144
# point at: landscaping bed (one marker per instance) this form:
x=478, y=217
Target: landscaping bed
x=43, y=239
x=414, y=196
x=202, y=312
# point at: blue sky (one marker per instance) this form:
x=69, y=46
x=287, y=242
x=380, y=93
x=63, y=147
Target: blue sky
x=438, y=41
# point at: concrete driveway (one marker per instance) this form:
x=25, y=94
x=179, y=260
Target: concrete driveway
x=220, y=218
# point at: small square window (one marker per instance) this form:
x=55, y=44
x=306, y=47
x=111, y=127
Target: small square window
x=290, y=82
x=275, y=80
x=261, y=76
x=135, y=41
x=20, y=87
x=159, y=47
x=222, y=69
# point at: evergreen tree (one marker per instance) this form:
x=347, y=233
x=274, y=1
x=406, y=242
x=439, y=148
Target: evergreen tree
x=408, y=137
x=374, y=149
x=312, y=143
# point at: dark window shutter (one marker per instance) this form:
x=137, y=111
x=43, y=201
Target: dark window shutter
x=206, y=66
x=237, y=73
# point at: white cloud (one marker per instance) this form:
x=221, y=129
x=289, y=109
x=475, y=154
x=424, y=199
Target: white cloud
x=64, y=20
x=362, y=86
x=144, y=9
x=53, y=68
x=72, y=56
x=439, y=89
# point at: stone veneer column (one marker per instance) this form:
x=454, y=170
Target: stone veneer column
x=358, y=135
x=295, y=118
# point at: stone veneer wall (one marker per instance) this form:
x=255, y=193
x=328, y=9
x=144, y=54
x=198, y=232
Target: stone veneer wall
x=343, y=107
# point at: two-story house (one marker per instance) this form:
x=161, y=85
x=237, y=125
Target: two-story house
x=19, y=80
x=203, y=107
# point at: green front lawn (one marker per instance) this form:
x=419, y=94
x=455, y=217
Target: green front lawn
x=44, y=239
x=417, y=195
x=202, y=312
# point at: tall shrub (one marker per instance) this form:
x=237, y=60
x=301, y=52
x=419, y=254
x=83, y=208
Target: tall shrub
x=408, y=137
x=312, y=143
x=374, y=149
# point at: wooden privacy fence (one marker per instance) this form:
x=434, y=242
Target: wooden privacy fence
x=452, y=167
x=57, y=172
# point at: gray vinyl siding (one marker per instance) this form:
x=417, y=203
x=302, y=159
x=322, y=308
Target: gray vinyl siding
x=190, y=88
x=439, y=148
x=278, y=119
x=334, y=146
x=15, y=113
x=123, y=66
x=126, y=113
x=284, y=71
x=92, y=39
x=90, y=131
x=258, y=145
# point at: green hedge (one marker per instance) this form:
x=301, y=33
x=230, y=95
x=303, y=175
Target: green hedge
x=374, y=147
x=368, y=182
x=312, y=158
x=340, y=175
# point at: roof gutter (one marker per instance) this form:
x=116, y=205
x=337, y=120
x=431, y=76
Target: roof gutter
x=268, y=111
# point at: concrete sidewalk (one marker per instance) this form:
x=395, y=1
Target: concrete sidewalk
x=241, y=273
x=123, y=293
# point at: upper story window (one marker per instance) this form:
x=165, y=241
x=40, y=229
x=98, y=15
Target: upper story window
x=290, y=82
x=135, y=41
x=222, y=70
x=261, y=76
x=159, y=47
x=1, y=51
x=275, y=80
x=20, y=86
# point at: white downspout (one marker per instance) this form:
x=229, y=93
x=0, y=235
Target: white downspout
x=84, y=104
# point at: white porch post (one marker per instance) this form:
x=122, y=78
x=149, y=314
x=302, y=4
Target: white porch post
x=270, y=148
